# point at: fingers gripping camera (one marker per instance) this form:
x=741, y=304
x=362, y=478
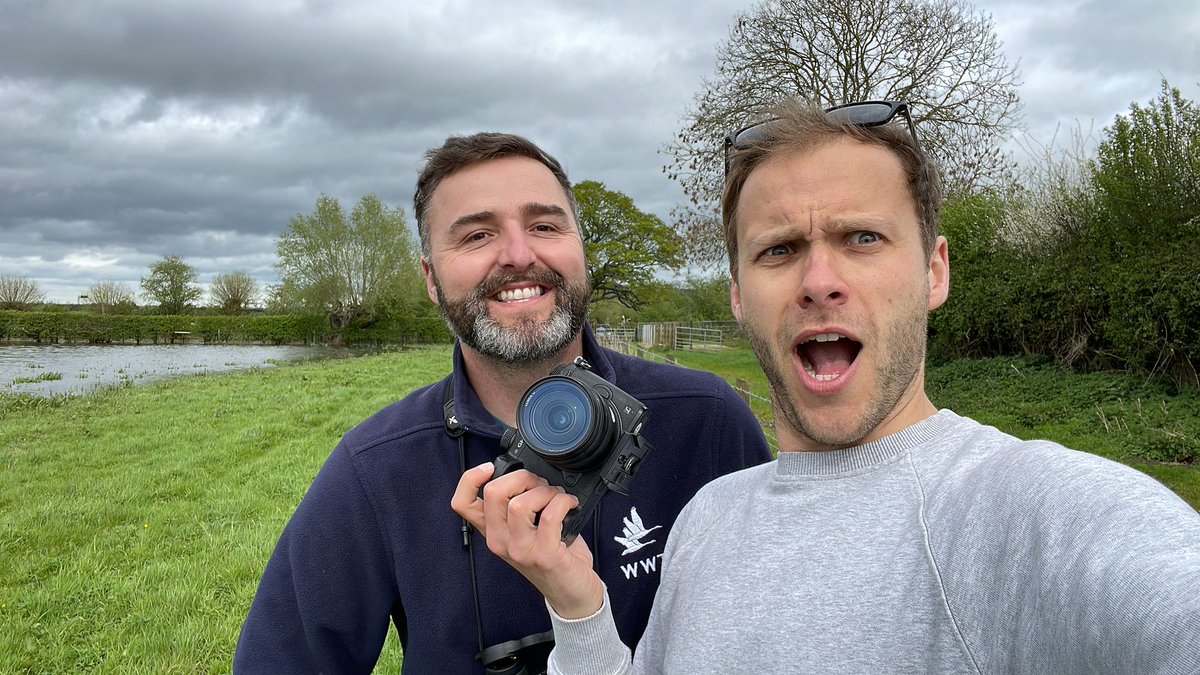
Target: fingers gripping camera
x=578, y=431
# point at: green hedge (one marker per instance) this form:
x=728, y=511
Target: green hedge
x=82, y=327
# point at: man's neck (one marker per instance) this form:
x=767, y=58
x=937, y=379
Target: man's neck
x=500, y=385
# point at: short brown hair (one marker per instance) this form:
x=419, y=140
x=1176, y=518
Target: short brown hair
x=803, y=127
x=460, y=152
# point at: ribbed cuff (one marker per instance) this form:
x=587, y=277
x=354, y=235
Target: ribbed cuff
x=587, y=646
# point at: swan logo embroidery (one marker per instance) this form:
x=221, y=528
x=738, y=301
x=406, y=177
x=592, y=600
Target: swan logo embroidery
x=634, y=532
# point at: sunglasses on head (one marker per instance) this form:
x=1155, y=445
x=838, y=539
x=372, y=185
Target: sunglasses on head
x=862, y=114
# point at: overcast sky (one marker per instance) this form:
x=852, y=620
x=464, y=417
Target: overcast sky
x=134, y=130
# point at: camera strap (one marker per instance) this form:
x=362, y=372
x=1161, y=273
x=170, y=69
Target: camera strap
x=456, y=430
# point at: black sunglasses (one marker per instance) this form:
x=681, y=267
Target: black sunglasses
x=862, y=114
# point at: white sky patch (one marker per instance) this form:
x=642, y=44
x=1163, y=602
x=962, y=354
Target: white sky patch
x=89, y=261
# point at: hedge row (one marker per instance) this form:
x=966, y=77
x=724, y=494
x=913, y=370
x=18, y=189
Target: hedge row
x=82, y=327
x=1091, y=303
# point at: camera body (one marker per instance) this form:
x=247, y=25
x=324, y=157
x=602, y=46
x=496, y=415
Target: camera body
x=578, y=431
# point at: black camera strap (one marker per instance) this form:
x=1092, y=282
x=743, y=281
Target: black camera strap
x=456, y=430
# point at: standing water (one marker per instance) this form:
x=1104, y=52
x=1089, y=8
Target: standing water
x=47, y=370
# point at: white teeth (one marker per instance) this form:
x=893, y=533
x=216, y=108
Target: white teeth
x=825, y=337
x=819, y=378
x=519, y=293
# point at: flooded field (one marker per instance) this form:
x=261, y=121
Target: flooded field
x=47, y=370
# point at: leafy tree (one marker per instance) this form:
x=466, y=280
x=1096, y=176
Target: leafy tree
x=1148, y=168
x=709, y=297
x=1148, y=184
x=19, y=293
x=625, y=247
x=941, y=56
x=111, y=297
x=233, y=292
x=172, y=285
x=347, y=268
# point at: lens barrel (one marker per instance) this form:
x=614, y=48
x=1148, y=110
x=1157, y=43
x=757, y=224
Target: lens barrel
x=565, y=423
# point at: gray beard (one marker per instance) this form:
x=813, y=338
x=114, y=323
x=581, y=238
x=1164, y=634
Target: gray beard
x=530, y=341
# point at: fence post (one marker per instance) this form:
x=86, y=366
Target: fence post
x=743, y=390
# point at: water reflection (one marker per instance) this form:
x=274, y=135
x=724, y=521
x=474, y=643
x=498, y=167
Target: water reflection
x=47, y=370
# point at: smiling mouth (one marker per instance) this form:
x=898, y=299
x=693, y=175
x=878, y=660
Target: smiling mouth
x=826, y=356
x=515, y=294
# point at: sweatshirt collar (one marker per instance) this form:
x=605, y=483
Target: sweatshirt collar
x=794, y=465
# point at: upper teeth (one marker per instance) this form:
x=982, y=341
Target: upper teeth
x=824, y=337
x=519, y=293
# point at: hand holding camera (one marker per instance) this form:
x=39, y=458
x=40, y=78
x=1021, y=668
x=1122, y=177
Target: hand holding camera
x=578, y=432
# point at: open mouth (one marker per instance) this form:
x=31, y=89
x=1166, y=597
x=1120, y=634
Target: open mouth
x=826, y=356
x=516, y=294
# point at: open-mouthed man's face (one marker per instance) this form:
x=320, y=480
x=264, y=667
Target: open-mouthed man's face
x=834, y=290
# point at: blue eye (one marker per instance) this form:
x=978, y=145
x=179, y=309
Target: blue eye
x=777, y=250
x=864, y=238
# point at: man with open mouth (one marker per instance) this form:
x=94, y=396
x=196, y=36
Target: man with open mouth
x=889, y=535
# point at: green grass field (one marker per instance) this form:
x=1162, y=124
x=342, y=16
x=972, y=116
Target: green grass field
x=135, y=522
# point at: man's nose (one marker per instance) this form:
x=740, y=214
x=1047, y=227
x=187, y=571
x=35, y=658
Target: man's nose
x=821, y=282
x=515, y=250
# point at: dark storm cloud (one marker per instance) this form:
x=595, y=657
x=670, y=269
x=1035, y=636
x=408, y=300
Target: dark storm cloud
x=129, y=131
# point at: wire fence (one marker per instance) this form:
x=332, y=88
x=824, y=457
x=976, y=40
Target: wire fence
x=756, y=402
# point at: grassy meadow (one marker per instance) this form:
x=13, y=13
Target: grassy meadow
x=135, y=522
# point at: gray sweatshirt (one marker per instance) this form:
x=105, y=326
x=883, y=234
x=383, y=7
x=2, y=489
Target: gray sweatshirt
x=949, y=547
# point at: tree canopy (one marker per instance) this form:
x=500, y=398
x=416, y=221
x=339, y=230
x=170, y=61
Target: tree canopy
x=940, y=56
x=172, y=285
x=347, y=267
x=233, y=292
x=625, y=246
x=19, y=293
x=108, y=296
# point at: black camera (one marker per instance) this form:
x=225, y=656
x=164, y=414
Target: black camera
x=578, y=431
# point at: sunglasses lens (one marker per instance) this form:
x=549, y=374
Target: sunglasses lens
x=749, y=135
x=864, y=114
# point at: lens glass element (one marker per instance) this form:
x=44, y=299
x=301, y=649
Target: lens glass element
x=556, y=417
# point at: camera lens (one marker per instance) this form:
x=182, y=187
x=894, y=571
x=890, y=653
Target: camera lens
x=563, y=422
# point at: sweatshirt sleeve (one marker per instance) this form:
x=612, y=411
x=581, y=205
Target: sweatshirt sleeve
x=325, y=598
x=588, y=646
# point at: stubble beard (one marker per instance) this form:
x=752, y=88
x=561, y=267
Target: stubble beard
x=529, y=341
x=901, y=355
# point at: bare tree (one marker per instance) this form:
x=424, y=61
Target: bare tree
x=941, y=56
x=234, y=292
x=109, y=297
x=19, y=293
